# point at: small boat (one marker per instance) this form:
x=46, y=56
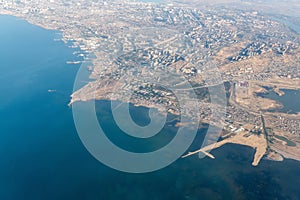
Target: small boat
x=73, y=62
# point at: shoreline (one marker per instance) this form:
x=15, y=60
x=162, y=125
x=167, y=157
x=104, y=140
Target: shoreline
x=65, y=39
x=258, y=143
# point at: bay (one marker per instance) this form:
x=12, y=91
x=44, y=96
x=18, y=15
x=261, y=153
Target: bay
x=289, y=100
x=42, y=156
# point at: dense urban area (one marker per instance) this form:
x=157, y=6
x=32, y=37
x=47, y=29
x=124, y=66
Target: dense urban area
x=149, y=54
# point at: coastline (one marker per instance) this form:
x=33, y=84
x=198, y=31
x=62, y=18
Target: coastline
x=257, y=142
x=48, y=161
x=65, y=39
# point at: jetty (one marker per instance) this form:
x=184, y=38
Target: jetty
x=258, y=142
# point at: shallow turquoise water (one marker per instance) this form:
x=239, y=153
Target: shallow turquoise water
x=43, y=158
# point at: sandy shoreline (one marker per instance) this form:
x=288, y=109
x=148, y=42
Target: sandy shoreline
x=257, y=142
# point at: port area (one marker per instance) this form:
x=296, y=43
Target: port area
x=258, y=142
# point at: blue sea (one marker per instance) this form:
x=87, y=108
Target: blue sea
x=42, y=157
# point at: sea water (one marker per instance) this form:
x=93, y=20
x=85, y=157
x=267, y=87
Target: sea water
x=42, y=157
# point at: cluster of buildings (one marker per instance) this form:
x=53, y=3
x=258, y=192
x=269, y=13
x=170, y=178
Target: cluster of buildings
x=284, y=124
x=258, y=48
x=127, y=36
